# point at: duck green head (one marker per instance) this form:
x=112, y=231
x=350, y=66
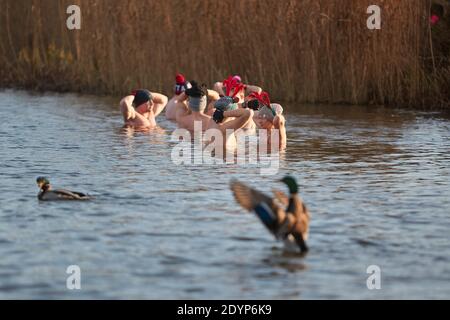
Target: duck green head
x=42, y=182
x=291, y=184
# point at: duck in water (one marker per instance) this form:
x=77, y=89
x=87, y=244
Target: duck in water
x=48, y=194
x=286, y=217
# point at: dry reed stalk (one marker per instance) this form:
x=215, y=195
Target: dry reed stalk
x=306, y=50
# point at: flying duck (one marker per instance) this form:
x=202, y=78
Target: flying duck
x=286, y=217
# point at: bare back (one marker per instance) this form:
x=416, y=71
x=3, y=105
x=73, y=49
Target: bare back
x=171, y=108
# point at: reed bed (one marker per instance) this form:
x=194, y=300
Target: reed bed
x=305, y=50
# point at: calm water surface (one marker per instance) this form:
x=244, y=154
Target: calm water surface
x=376, y=181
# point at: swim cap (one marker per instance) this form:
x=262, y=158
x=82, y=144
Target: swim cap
x=141, y=97
x=226, y=104
x=197, y=104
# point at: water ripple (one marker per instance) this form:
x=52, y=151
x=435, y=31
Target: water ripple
x=375, y=180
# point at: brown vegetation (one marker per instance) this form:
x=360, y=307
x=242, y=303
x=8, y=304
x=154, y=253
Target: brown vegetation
x=305, y=50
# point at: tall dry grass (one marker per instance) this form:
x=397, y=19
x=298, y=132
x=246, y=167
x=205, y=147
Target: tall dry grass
x=305, y=50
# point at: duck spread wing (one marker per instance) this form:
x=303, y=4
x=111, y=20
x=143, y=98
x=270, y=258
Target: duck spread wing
x=247, y=197
x=270, y=214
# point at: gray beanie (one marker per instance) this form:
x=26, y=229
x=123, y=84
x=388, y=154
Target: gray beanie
x=226, y=104
x=266, y=113
x=197, y=104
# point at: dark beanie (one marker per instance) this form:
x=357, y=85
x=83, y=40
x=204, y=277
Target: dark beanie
x=196, y=90
x=141, y=97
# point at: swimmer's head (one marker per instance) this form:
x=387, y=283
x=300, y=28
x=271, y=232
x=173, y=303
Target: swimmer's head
x=197, y=96
x=180, y=79
x=264, y=117
x=143, y=99
x=234, y=87
x=197, y=104
x=226, y=104
x=181, y=84
x=197, y=90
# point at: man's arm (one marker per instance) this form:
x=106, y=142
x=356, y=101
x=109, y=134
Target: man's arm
x=127, y=109
x=280, y=123
x=181, y=109
x=242, y=117
x=218, y=87
x=160, y=102
x=213, y=95
x=251, y=88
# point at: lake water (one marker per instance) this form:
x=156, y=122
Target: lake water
x=376, y=181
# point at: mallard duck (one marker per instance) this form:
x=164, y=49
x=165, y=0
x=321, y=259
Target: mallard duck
x=47, y=194
x=286, y=217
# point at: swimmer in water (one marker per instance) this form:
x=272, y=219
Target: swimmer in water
x=233, y=87
x=228, y=119
x=180, y=87
x=140, y=109
x=269, y=117
x=192, y=104
x=246, y=89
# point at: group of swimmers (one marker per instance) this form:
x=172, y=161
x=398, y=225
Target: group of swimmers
x=231, y=107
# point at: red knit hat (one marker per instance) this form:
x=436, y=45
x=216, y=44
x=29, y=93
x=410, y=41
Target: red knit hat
x=233, y=86
x=180, y=79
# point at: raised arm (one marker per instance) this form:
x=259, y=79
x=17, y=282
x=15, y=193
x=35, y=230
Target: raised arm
x=242, y=116
x=181, y=109
x=127, y=109
x=218, y=87
x=251, y=88
x=213, y=95
x=280, y=123
x=160, y=102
